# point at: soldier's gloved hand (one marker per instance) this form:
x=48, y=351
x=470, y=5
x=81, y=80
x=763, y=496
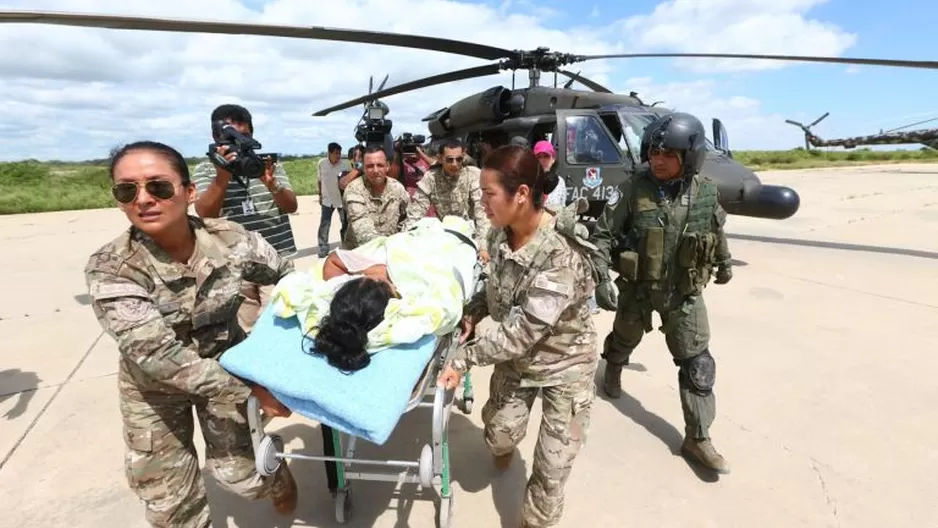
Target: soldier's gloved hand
x=724, y=274
x=607, y=295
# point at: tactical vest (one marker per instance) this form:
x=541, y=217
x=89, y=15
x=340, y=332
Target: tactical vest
x=666, y=252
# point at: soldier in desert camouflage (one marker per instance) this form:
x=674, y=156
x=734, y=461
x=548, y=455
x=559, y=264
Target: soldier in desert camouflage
x=452, y=188
x=545, y=341
x=168, y=290
x=376, y=204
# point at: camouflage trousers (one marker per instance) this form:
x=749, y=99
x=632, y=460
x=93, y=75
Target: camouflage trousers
x=564, y=425
x=686, y=327
x=161, y=463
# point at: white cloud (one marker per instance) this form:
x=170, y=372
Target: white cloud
x=73, y=93
x=735, y=26
x=748, y=126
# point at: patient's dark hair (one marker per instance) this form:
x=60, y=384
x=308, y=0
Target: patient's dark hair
x=357, y=307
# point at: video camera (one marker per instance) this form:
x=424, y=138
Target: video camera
x=374, y=127
x=247, y=163
x=409, y=142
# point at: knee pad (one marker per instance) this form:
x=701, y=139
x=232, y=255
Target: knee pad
x=699, y=372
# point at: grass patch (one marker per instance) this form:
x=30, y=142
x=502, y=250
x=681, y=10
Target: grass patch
x=34, y=186
x=37, y=187
x=807, y=159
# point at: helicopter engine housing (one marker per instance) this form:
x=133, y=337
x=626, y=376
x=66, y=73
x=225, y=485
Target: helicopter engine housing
x=492, y=105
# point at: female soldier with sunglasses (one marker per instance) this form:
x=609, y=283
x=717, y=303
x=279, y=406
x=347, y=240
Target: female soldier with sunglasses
x=168, y=290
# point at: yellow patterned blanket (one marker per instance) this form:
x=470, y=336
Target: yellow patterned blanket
x=432, y=269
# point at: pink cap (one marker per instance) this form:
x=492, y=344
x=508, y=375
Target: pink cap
x=543, y=147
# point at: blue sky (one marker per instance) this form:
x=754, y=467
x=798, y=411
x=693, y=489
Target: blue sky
x=92, y=89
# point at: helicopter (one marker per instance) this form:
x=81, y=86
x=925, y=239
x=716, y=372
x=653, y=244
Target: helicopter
x=595, y=133
x=924, y=136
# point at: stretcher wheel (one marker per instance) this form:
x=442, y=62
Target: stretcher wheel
x=266, y=460
x=426, y=466
x=343, y=506
x=445, y=516
x=465, y=405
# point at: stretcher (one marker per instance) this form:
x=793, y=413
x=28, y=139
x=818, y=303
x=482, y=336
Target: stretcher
x=275, y=353
x=431, y=470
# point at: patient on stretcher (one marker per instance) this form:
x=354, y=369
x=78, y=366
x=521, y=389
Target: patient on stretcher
x=392, y=290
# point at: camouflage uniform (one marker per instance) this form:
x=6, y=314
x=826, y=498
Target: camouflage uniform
x=664, y=250
x=371, y=216
x=545, y=342
x=459, y=195
x=172, y=322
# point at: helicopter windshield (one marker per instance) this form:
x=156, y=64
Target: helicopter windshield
x=633, y=125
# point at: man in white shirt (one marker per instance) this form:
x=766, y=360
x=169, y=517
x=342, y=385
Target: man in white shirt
x=330, y=198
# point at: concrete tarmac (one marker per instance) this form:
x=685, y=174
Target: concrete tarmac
x=826, y=387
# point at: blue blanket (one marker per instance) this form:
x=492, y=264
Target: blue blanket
x=367, y=403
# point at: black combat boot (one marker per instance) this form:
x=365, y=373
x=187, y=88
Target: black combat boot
x=612, y=380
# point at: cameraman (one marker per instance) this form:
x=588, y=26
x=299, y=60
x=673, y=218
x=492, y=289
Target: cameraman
x=258, y=204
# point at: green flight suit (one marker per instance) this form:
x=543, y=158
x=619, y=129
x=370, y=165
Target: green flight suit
x=664, y=249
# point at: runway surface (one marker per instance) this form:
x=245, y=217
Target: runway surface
x=826, y=386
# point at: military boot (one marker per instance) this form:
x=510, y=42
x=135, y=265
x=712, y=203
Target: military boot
x=704, y=452
x=612, y=380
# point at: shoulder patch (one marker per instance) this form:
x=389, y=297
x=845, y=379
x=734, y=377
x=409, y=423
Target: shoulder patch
x=543, y=283
x=112, y=290
x=133, y=310
x=547, y=300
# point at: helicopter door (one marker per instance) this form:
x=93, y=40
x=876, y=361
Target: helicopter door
x=589, y=159
x=720, y=139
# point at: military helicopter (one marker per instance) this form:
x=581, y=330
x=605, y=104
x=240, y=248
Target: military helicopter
x=596, y=133
x=925, y=136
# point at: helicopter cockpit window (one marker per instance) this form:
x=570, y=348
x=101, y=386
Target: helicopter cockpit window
x=588, y=141
x=634, y=126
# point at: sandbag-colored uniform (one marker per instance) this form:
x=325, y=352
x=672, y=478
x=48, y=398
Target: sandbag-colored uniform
x=664, y=241
x=371, y=216
x=172, y=322
x=545, y=342
x=459, y=195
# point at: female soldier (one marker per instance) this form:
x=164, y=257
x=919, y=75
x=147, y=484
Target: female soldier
x=168, y=291
x=545, y=341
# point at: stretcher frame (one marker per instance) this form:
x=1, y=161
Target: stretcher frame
x=431, y=470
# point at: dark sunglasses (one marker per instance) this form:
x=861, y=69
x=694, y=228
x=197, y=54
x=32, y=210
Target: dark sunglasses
x=126, y=192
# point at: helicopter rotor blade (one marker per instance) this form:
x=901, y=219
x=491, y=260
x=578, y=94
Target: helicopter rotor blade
x=231, y=28
x=792, y=58
x=381, y=86
x=458, y=75
x=592, y=85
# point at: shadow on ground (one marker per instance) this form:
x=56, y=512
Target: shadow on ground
x=22, y=385
x=836, y=245
x=632, y=408
x=472, y=472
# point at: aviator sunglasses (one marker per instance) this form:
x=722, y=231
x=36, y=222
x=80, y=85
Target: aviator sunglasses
x=126, y=192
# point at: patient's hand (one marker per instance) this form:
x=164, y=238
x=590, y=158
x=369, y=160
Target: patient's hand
x=468, y=325
x=484, y=256
x=449, y=379
x=270, y=405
